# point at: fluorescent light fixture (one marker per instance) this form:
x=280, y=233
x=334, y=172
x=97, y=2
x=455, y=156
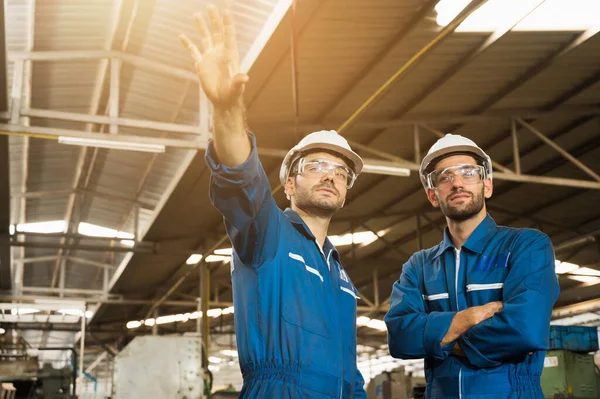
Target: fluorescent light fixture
x=214, y=312
x=112, y=144
x=76, y=312
x=224, y=251
x=362, y=238
x=229, y=352
x=128, y=243
x=180, y=317
x=218, y=258
x=228, y=310
x=213, y=368
x=214, y=359
x=551, y=15
x=386, y=168
x=22, y=311
x=92, y=230
x=54, y=226
x=376, y=324
x=11, y=229
x=591, y=280
x=564, y=267
x=193, y=259
x=134, y=324
x=586, y=271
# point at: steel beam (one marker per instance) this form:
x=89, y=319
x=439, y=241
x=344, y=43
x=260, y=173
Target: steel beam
x=560, y=150
x=110, y=120
x=405, y=29
x=442, y=35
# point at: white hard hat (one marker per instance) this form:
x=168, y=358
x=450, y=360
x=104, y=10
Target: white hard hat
x=452, y=143
x=324, y=140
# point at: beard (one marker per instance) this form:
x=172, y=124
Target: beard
x=467, y=209
x=311, y=202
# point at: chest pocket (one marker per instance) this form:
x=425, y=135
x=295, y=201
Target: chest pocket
x=486, y=282
x=303, y=294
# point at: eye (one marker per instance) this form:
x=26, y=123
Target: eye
x=470, y=172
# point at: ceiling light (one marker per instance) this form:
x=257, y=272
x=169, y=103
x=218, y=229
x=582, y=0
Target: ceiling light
x=112, y=144
x=229, y=352
x=224, y=251
x=586, y=279
x=218, y=258
x=228, y=310
x=2, y=330
x=551, y=15
x=55, y=226
x=92, y=230
x=361, y=238
x=564, y=267
x=22, y=311
x=193, y=259
x=385, y=168
x=133, y=324
x=586, y=271
x=214, y=359
x=128, y=243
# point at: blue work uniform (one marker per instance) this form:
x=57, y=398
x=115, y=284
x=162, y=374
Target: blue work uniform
x=295, y=306
x=504, y=355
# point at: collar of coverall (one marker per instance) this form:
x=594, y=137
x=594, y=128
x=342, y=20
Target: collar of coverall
x=476, y=241
x=303, y=228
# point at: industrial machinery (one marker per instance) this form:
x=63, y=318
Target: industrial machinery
x=27, y=378
x=166, y=367
x=396, y=384
x=569, y=368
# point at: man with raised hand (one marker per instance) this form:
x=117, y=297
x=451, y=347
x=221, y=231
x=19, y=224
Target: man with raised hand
x=295, y=306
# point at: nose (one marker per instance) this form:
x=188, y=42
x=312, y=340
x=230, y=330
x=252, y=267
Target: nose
x=457, y=180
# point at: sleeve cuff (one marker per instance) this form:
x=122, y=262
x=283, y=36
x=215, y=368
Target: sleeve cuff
x=238, y=175
x=436, y=328
x=475, y=357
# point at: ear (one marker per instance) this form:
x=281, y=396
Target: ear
x=290, y=187
x=432, y=197
x=488, y=188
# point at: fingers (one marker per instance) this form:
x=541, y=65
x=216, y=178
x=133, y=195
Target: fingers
x=230, y=41
x=207, y=41
x=216, y=24
x=191, y=47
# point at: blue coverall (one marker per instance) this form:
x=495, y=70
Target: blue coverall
x=295, y=306
x=504, y=355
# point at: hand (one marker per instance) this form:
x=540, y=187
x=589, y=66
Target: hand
x=464, y=320
x=218, y=65
x=481, y=313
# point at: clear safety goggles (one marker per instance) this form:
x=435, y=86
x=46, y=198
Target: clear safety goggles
x=318, y=168
x=468, y=174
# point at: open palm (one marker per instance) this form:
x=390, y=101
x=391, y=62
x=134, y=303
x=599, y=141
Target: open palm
x=218, y=64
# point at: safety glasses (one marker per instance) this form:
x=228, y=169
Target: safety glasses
x=318, y=168
x=444, y=178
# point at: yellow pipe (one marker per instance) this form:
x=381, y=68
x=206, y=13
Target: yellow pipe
x=25, y=134
x=448, y=29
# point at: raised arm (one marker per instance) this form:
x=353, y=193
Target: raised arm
x=218, y=69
